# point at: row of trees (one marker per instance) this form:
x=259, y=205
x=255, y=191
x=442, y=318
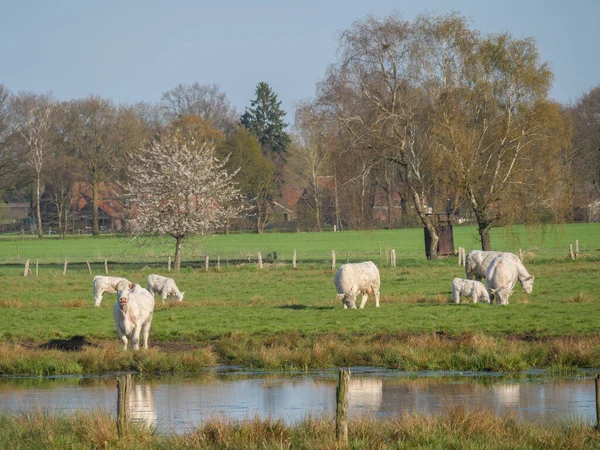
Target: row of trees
x=427, y=113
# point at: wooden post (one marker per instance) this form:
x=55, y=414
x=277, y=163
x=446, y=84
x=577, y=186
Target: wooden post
x=18, y=254
x=459, y=256
x=65, y=268
x=294, y=260
x=379, y=244
x=571, y=254
x=89, y=268
x=597, y=380
x=27, y=270
x=576, y=249
x=105, y=266
x=260, y=265
x=219, y=263
x=347, y=257
x=341, y=413
x=332, y=259
x=206, y=263
x=123, y=388
x=393, y=257
x=37, y=263
x=521, y=255
x=169, y=264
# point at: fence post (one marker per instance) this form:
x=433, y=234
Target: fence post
x=571, y=254
x=105, y=266
x=521, y=255
x=27, y=270
x=332, y=259
x=260, y=265
x=169, y=264
x=219, y=263
x=37, y=263
x=89, y=268
x=65, y=268
x=394, y=250
x=597, y=380
x=577, y=249
x=18, y=254
x=341, y=413
x=123, y=388
x=206, y=263
x=294, y=260
x=459, y=256
x=347, y=257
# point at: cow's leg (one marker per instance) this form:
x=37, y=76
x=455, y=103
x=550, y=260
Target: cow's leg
x=474, y=296
x=164, y=296
x=146, y=333
x=376, y=293
x=365, y=297
x=345, y=307
x=135, y=340
x=123, y=339
x=455, y=295
x=98, y=299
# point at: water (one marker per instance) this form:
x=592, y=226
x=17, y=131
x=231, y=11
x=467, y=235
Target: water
x=178, y=404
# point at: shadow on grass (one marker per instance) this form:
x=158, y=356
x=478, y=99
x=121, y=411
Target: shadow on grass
x=299, y=307
x=76, y=343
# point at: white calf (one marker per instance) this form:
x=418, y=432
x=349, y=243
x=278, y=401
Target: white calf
x=102, y=284
x=133, y=313
x=469, y=288
x=352, y=279
x=478, y=261
x=502, y=275
x=166, y=287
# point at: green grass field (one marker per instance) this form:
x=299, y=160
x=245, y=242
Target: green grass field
x=244, y=315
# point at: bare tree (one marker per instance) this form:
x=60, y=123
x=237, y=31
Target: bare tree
x=9, y=155
x=202, y=100
x=177, y=191
x=62, y=172
x=33, y=114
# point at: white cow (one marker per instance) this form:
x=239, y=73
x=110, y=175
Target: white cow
x=133, y=313
x=469, y=288
x=166, y=287
x=502, y=275
x=102, y=284
x=355, y=278
x=478, y=261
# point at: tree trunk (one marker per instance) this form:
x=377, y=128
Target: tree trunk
x=259, y=226
x=178, y=252
x=95, y=201
x=390, y=203
x=484, y=234
x=37, y=204
x=338, y=220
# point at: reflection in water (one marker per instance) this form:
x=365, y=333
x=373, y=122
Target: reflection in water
x=141, y=405
x=179, y=404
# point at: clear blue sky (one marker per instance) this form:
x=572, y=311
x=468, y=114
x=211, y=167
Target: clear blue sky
x=133, y=50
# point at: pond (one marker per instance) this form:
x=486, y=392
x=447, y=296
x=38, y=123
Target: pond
x=179, y=403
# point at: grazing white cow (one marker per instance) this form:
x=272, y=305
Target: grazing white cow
x=355, y=278
x=478, y=261
x=133, y=313
x=502, y=275
x=102, y=284
x=469, y=288
x=166, y=287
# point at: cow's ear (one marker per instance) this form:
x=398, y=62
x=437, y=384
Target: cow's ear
x=114, y=286
x=131, y=285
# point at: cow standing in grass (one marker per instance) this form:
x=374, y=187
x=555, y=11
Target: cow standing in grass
x=357, y=278
x=133, y=313
x=469, y=288
x=102, y=284
x=502, y=275
x=478, y=261
x=166, y=287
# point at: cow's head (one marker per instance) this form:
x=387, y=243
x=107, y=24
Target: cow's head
x=123, y=289
x=527, y=284
x=348, y=300
x=180, y=296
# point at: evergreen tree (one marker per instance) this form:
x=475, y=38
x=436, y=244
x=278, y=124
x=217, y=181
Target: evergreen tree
x=264, y=118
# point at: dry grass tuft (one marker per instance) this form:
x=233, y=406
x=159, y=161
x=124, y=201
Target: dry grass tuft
x=72, y=303
x=580, y=297
x=10, y=303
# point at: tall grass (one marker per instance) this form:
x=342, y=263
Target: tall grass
x=454, y=428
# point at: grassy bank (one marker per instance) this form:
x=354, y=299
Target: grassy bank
x=294, y=351
x=455, y=428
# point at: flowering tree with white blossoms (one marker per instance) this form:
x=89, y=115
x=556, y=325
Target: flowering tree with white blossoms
x=179, y=189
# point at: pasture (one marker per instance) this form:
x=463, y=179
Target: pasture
x=279, y=317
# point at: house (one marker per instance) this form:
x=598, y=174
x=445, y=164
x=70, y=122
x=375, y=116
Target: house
x=110, y=208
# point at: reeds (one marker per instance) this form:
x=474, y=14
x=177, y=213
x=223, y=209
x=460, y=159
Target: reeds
x=455, y=427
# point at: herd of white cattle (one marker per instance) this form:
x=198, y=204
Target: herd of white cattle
x=135, y=305
x=501, y=271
